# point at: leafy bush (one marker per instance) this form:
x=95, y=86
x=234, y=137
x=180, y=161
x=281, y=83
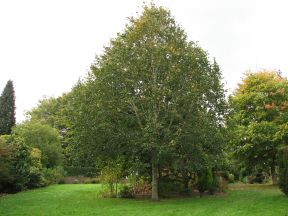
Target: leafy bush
x=69, y=180
x=26, y=167
x=204, y=180
x=250, y=179
x=214, y=185
x=110, y=177
x=231, y=178
x=243, y=173
x=126, y=192
x=259, y=178
x=78, y=180
x=53, y=175
x=244, y=179
x=140, y=187
x=43, y=137
x=88, y=180
x=185, y=192
x=35, y=173
x=95, y=181
x=61, y=181
x=283, y=169
x=169, y=187
x=21, y=166
x=222, y=185
x=106, y=193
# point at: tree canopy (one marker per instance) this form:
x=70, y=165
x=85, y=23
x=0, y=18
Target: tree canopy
x=41, y=136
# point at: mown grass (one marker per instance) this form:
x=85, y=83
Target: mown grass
x=85, y=200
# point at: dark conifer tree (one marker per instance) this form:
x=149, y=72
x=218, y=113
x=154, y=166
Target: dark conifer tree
x=7, y=109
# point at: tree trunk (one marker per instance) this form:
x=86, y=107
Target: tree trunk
x=273, y=174
x=155, y=175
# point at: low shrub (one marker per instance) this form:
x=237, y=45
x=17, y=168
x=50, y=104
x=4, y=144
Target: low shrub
x=185, y=192
x=204, y=180
x=250, y=179
x=169, y=187
x=231, y=178
x=110, y=177
x=222, y=184
x=259, y=178
x=70, y=180
x=53, y=175
x=141, y=187
x=126, y=192
x=106, y=193
x=214, y=185
x=95, y=180
x=244, y=179
x=88, y=180
x=78, y=180
x=35, y=172
x=81, y=171
x=61, y=181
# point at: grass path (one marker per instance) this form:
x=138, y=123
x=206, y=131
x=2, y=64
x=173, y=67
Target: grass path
x=84, y=200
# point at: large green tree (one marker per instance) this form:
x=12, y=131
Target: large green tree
x=7, y=109
x=258, y=120
x=149, y=90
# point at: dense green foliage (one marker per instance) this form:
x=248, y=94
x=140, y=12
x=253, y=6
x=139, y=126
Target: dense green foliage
x=283, y=169
x=7, y=109
x=60, y=113
x=43, y=137
x=258, y=120
x=126, y=192
x=30, y=157
x=110, y=177
x=84, y=200
x=205, y=180
x=153, y=98
x=26, y=168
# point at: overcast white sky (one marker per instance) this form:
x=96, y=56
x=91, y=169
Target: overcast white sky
x=46, y=46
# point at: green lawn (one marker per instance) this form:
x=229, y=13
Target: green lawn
x=84, y=200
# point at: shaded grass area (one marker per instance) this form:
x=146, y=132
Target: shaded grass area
x=85, y=200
